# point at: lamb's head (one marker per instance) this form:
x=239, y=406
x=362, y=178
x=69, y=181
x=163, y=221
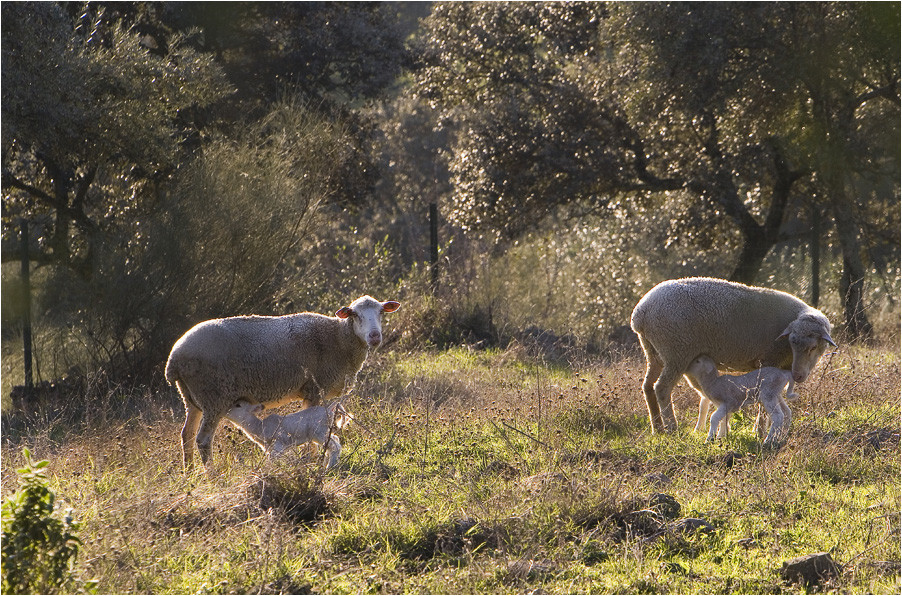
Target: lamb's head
x=808, y=337
x=702, y=367
x=366, y=316
x=339, y=415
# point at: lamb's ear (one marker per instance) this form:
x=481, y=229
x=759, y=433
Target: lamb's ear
x=390, y=306
x=826, y=337
x=344, y=312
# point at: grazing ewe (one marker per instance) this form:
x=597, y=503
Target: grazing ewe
x=270, y=361
x=274, y=434
x=729, y=393
x=740, y=327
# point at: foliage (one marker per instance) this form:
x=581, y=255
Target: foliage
x=328, y=51
x=86, y=139
x=229, y=237
x=39, y=549
x=699, y=109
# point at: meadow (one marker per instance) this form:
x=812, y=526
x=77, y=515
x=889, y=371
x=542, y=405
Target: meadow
x=485, y=471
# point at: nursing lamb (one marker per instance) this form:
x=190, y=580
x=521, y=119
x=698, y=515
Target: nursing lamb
x=729, y=393
x=274, y=434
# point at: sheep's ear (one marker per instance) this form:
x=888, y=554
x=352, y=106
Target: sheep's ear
x=390, y=306
x=826, y=337
x=785, y=333
x=344, y=312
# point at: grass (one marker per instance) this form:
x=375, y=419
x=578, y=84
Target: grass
x=488, y=472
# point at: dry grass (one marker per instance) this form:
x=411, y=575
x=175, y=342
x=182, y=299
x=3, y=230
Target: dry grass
x=490, y=472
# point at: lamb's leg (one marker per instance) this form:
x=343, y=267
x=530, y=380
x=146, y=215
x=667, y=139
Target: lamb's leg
x=189, y=432
x=778, y=419
x=762, y=422
x=663, y=388
x=723, y=429
x=716, y=418
x=333, y=450
x=652, y=372
x=703, y=405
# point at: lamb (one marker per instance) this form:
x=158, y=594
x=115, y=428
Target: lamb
x=704, y=407
x=270, y=361
x=274, y=434
x=740, y=327
x=729, y=393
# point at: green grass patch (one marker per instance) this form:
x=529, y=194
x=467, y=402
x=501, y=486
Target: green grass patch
x=489, y=472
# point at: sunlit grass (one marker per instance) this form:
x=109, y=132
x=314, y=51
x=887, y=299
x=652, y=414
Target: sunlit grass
x=490, y=472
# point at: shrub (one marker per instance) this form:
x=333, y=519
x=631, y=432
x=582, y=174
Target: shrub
x=38, y=547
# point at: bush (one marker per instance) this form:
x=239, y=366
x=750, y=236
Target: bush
x=38, y=547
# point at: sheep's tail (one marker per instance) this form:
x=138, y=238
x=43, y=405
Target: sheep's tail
x=172, y=377
x=171, y=373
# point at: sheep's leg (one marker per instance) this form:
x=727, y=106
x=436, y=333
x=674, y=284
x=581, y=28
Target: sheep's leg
x=652, y=372
x=189, y=432
x=663, y=388
x=208, y=424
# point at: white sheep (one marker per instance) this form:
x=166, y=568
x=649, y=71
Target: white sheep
x=728, y=392
x=274, y=434
x=270, y=361
x=740, y=327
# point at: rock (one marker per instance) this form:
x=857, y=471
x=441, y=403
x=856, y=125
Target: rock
x=666, y=506
x=542, y=481
x=810, y=570
x=658, y=479
x=525, y=569
x=693, y=524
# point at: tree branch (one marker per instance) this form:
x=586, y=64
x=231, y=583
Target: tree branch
x=10, y=180
x=888, y=91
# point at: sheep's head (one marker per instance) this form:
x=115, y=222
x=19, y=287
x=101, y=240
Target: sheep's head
x=366, y=316
x=808, y=337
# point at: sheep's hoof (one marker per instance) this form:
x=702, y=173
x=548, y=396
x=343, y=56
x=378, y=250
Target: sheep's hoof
x=772, y=445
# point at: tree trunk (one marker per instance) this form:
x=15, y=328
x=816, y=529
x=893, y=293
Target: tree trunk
x=815, y=255
x=852, y=283
x=758, y=239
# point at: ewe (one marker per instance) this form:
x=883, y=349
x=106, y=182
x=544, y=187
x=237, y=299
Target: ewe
x=270, y=361
x=740, y=327
x=274, y=434
x=764, y=385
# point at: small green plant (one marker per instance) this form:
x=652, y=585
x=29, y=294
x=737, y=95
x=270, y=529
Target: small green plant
x=38, y=547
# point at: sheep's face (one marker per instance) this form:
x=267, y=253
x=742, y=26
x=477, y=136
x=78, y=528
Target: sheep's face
x=366, y=316
x=808, y=337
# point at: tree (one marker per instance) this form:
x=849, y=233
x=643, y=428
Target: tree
x=650, y=102
x=846, y=58
x=92, y=123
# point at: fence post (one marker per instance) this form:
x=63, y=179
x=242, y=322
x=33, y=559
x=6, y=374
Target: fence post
x=815, y=256
x=26, y=317
x=433, y=244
